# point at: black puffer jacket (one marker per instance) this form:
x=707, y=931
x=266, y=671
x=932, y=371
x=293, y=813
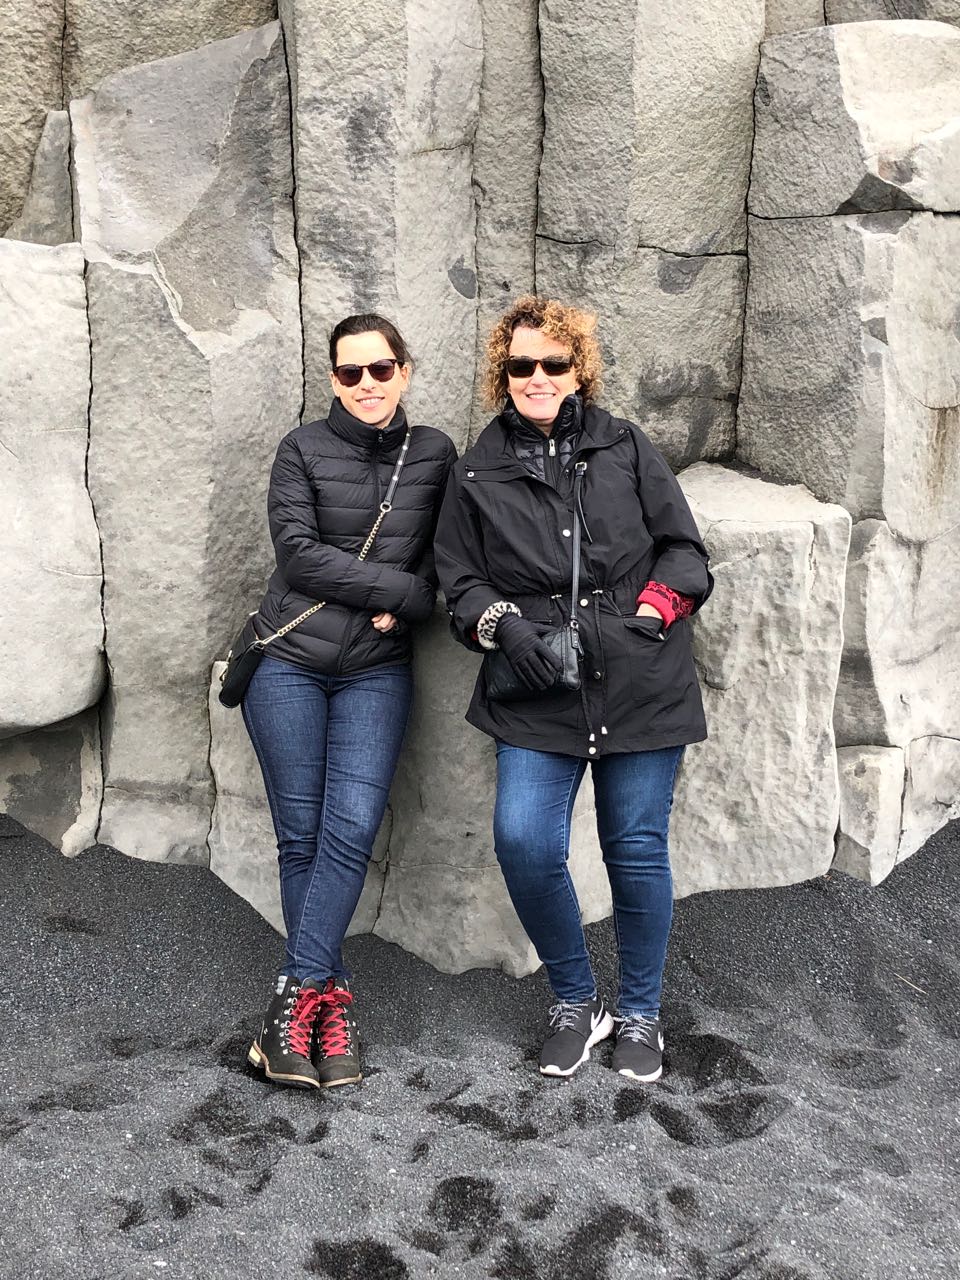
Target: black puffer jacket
x=505, y=534
x=327, y=483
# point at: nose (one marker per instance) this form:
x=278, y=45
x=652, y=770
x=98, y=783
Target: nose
x=367, y=381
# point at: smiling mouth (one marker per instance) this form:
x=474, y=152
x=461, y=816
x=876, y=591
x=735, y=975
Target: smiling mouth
x=370, y=402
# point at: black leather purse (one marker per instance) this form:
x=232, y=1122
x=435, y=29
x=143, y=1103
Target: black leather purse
x=502, y=682
x=248, y=648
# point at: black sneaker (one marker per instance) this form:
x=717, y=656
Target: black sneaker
x=336, y=1047
x=639, y=1050
x=282, y=1049
x=574, y=1030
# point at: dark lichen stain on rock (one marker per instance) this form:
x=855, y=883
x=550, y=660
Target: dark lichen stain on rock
x=463, y=279
x=677, y=275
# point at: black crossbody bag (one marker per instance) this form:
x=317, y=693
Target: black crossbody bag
x=248, y=648
x=502, y=682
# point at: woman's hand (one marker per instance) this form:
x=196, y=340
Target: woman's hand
x=648, y=611
x=384, y=621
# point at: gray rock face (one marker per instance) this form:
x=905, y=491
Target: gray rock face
x=793, y=15
x=871, y=800
x=51, y=781
x=645, y=162
x=47, y=216
x=900, y=677
x=870, y=10
x=385, y=205
x=243, y=845
x=649, y=123
x=932, y=793
x=506, y=164
x=768, y=643
x=54, y=50
x=51, y=637
x=31, y=40
x=104, y=36
x=858, y=118
x=851, y=370
x=671, y=329
x=196, y=375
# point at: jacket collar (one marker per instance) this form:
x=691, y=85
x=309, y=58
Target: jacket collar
x=342, y=422
x=492, y=451
x=567, y=422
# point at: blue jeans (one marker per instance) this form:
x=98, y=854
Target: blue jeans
x=328, y=748
x=536, y=791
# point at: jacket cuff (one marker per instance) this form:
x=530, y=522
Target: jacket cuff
x=487, y=622
x=670, y=604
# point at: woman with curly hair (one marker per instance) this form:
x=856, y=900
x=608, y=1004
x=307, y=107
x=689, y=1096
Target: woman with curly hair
x=568, y=555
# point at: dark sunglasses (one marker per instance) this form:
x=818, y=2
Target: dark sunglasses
x=525, y=366
x=380, y=370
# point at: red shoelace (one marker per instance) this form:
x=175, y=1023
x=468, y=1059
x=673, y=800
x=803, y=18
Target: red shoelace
x=303, y=1015
x=333, y=1029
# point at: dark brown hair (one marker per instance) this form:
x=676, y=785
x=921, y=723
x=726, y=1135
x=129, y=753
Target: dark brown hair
x=369, y=323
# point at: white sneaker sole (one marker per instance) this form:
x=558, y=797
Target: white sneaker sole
x=634, y=1075
x=603, y=1029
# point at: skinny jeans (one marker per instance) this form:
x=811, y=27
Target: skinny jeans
x=328, y=748
x=536, y=791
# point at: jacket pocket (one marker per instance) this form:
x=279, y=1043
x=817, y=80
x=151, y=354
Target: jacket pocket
x=654, y=660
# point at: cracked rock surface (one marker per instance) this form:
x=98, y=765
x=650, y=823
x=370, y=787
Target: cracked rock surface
x=769, y=644
x=51, y=641
x=386, y=216
x=184, y=189
x=851, y=371
x=858, y=118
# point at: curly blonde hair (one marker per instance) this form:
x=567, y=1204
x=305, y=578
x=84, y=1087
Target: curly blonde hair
x=570, y=325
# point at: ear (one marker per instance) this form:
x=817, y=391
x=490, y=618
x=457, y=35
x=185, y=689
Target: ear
x=335, y=384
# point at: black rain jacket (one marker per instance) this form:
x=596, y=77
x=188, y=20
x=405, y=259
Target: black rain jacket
x=504, y=534
x=326, y=486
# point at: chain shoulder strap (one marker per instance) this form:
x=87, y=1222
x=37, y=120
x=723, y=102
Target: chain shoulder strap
x=386, y=506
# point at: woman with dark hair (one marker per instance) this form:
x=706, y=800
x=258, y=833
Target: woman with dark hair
x=567, y=552
x=327, y=706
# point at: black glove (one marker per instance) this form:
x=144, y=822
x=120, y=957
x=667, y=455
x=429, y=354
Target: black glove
x=530, y=656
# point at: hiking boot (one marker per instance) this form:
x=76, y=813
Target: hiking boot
x=639, y=1049
x=574, y=1029
x=282, y=1049
x=336, y=1044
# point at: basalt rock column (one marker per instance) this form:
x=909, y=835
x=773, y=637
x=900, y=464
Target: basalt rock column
x=649, y=126
x=105, y=36
x=51, y=626
x=870, y=10
x=184, y=188
x=385, y=108
x=31, y=48
x=852, y=385
x=506, y=165
x=757, y=803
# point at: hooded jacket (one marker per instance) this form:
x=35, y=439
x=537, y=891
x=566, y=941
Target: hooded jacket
x=328, y=480
x=505, y=533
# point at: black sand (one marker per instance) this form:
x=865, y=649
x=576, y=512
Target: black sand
x=807, y=1126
